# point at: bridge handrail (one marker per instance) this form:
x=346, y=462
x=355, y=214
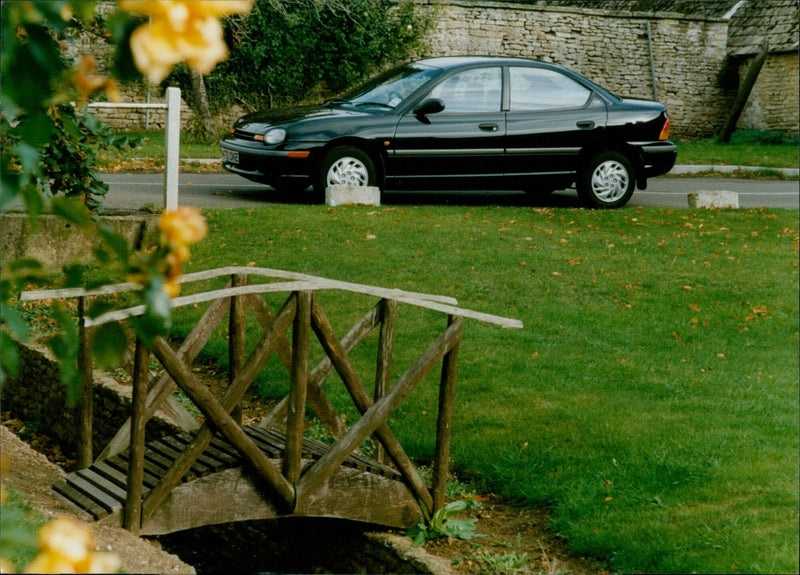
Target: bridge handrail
x=298, y=282
x=294, y=486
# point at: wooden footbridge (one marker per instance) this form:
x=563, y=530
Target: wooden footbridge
x=222, y=471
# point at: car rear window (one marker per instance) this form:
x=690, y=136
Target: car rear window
x=541, y=89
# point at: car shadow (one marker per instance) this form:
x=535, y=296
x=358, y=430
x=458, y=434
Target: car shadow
x=559, y=199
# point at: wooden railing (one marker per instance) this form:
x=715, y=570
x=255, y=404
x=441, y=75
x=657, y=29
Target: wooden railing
x=291, y=485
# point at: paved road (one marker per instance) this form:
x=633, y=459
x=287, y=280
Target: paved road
x=132, y=191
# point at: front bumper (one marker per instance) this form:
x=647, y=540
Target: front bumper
x=252, y=160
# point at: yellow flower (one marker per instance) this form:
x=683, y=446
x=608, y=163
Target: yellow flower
x=87, y=83
x=49, y=562
x=181, y=226
x=66, y=547
x=172, y=289
x=180, y=31
x=66, y=539
x=103, y=563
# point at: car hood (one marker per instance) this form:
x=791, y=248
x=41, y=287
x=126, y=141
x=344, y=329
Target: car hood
x=261, y=121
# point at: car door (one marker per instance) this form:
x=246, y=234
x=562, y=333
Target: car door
x=551, y=116
x=465, y=139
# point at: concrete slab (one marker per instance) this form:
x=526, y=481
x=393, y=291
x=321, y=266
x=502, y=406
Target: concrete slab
x=713, y=199
x=358, y=195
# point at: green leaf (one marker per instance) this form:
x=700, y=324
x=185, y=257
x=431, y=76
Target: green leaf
x=35, y=129
x=108, y=345
x=15, y=322
x=74, y=275
x=65, y=348
x=26, y=266
x=9, y=355
x=72, y=210
x=115, y=242
x=157, y=319
x=34, y=203
x=28, y=156
x=120, y=25
x=98, y=308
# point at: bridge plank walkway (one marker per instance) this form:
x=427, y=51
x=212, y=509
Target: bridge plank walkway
x=101, y=488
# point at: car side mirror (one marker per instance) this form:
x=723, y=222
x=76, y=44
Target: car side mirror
x=429, y=106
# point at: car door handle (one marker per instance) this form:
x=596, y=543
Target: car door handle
x=488, y=127
x=585, y=124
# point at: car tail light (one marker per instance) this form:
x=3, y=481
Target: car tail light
x=664, y=131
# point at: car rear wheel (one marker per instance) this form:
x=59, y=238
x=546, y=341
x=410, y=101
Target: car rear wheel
x=345, y=166
x=607, y=181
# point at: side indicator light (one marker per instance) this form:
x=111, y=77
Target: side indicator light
x=299, y=154
x=664, y=131
x=259, y=137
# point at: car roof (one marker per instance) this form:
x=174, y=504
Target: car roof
x=448, y=62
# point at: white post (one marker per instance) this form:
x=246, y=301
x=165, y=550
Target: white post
x=172, y=148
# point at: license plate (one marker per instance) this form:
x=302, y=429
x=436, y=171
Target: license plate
x=230, y=156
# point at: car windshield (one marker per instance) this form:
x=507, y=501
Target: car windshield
x=389, y=89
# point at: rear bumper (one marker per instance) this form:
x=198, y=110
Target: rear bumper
x=658, y=158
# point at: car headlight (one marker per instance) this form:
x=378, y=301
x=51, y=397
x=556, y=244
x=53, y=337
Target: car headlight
x=275, y=136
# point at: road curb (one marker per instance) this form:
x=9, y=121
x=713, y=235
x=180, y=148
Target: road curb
x=697, y=169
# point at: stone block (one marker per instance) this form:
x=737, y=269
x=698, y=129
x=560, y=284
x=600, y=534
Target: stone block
x=713, y=199
x=359, y=195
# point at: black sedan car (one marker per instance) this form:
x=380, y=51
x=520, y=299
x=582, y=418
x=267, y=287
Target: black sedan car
x=462, y=123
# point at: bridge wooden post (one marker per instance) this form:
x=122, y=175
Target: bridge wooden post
x=383, y=371
x=447, y=389
x=133, y=501
x=86, y=373
x=236, y=333
x=296, y=416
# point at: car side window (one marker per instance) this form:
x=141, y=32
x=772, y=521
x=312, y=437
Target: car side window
x=471, y=91
x=540, y=89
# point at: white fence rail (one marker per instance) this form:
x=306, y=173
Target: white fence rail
x=172, y=139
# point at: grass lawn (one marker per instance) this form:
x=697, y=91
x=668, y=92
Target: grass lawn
x=651, y=399
x=745, y=149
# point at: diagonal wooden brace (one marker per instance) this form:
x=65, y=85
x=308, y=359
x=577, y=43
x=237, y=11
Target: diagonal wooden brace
x=317, y=399
x=159, y=391
x=217, y=413
x=375, y=414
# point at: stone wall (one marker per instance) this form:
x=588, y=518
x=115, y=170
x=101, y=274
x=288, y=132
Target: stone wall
x=37, y=397
x=775, y=100
x=56, y=242
x=610, y=48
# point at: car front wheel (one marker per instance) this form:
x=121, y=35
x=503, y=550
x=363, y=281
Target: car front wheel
x=608, y=181
x=345, y=166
